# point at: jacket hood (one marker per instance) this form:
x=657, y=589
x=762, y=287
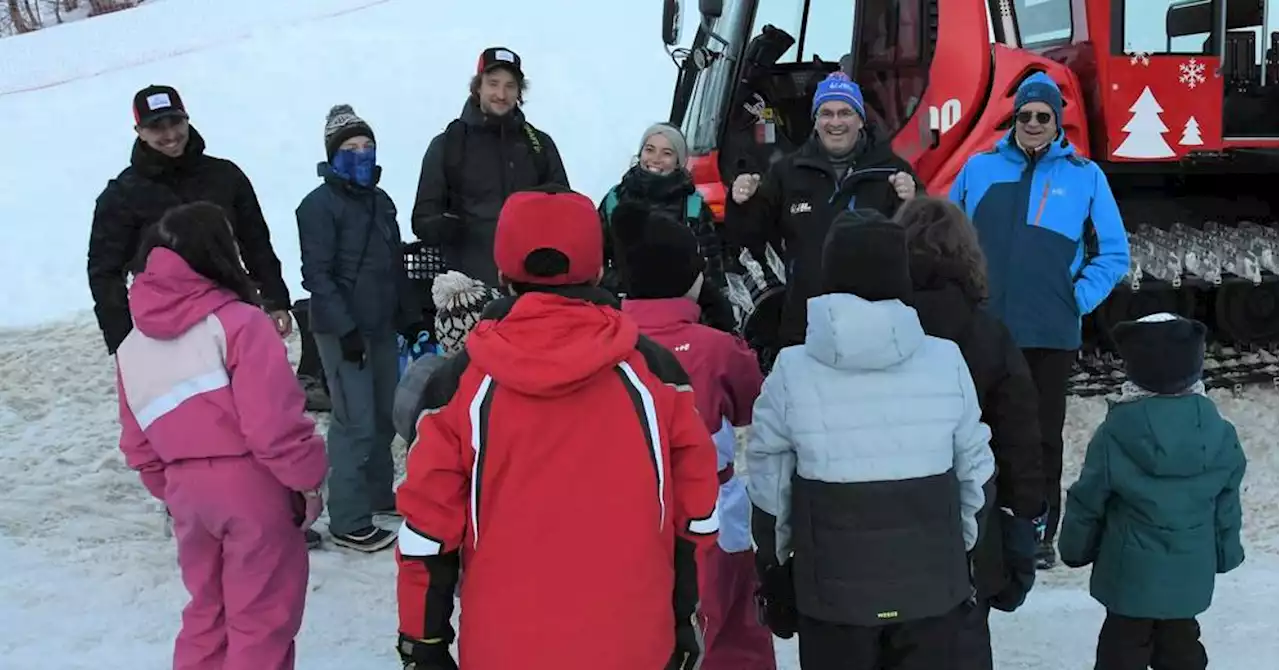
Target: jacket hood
x=473, y=116
x=168, y=297
x=659, y=313
x=551, y=344
x=939, y=297
x=1060, y=147
x=1170, y=436
x=849, y=333
x=152, y=163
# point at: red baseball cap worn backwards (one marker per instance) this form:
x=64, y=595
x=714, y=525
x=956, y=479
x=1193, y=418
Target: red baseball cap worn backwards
x=566, y=222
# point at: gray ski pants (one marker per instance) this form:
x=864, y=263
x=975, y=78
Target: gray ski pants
x=361, y=472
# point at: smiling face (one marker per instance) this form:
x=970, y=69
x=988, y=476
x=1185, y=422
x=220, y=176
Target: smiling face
x=1035, y=125
x=167, y=135
x=498, y=91
x=838, y=126
x=658, y=156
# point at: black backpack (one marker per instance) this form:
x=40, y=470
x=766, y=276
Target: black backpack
x=455, y=142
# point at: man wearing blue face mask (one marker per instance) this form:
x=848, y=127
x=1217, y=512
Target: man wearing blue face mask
x=352, y=264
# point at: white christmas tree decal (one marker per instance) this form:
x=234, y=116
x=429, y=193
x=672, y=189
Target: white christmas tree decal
x=1191, y=134
x=1146, y=130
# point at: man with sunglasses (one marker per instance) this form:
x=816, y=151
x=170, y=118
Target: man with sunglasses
x=1055, y=247
x=169, y=168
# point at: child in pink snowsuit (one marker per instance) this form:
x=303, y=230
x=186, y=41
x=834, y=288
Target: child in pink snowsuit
x=664, y=268
x=212, y=418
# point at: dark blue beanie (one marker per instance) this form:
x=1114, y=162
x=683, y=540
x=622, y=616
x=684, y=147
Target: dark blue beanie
x=838, y=86
x=1040, y=88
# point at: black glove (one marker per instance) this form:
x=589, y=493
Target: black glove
x=452, y=228
x=1020, y=538
x=426, y=654
x=689, y=646
x=352, y=347
x=776, y=600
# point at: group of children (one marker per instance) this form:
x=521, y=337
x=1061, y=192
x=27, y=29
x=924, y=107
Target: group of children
x=867, y=457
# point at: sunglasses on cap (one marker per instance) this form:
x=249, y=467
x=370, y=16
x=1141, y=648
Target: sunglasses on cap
x=1040, y=117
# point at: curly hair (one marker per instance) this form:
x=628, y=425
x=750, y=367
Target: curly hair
x=940, y=232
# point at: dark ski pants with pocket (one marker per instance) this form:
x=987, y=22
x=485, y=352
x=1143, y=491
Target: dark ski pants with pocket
x=925, y=644
x=1050, y=370
x=1126, y=643
x=361, y=471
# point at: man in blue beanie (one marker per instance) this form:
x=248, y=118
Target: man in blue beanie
x=1055, y=246
x=846, y=164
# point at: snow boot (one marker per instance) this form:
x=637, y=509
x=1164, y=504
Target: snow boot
x=313, y=539
x=1046, y=556
x=317, y=395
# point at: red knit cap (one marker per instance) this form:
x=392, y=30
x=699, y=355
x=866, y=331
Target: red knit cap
x=566, y=222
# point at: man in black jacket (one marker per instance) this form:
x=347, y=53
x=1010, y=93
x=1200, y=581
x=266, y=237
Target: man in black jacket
x=169, y=168
x=489, y=152
x=847, y=164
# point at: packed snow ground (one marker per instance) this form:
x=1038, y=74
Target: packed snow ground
x=82, y=546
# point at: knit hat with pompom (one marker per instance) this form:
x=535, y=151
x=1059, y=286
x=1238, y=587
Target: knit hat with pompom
x=459, y=300
x=341, y=125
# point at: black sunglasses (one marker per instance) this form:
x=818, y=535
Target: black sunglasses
x=1040, y=117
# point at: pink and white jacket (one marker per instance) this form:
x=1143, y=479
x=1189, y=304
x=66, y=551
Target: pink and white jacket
x=205, y=375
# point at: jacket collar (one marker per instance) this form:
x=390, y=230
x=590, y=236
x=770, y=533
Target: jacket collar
x=662, y=312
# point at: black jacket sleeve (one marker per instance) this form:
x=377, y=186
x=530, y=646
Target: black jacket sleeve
x=255, y=246
x=432, y=200
x=755, y=223
x=1015, y=434
x=318, y=243
x=612, y=280
x=111, y=248
x=712, y=247
x=555, y=164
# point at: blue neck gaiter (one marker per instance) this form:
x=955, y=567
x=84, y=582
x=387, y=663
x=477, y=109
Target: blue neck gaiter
x=356, y=166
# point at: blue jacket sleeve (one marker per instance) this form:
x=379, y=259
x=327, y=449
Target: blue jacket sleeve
x=771, y=460
x=1103, y=271
x=958, y=189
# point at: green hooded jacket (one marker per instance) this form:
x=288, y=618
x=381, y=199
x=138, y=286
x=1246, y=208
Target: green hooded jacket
x=1156, y=509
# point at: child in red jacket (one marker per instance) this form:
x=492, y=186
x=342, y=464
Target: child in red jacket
x=665, y=276
x=212, y=418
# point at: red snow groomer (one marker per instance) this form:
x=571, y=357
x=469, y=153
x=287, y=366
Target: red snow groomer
x=1178, y=105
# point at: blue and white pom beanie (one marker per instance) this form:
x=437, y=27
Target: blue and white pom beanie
x=838, y=86
x=1039, y=87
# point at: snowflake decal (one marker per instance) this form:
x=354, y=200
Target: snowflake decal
x=1140, y=57
x=1192, y=73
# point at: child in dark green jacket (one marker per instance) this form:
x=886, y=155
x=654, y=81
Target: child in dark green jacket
x=1156, y=509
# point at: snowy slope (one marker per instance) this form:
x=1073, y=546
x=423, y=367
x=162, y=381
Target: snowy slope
x=81, y=543
x=258, y=78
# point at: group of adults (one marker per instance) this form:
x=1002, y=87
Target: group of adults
x=1052, y=246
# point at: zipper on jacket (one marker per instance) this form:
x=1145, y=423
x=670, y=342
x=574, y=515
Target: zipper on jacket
x=852, y=173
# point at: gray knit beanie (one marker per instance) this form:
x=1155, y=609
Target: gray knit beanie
x=341, y=125
x=459, y=301
x=673, y=135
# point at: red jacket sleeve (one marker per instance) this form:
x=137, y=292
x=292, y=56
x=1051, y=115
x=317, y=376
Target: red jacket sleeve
x=433, y=501
x=741, y=380
x=693, y=471
x=270, y=403
x=138, y=454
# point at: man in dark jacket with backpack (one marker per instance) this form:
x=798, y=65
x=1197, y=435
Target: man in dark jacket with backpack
x=169, y=168
x=489, y=152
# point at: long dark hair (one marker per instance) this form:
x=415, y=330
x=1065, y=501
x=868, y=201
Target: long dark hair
x=200, y=233
x=940, y=233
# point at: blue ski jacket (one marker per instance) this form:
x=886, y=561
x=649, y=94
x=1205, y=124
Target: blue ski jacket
x=1052, y=235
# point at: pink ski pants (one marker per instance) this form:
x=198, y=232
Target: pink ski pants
x=244, y=562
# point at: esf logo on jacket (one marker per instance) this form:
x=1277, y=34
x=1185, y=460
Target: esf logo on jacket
x=801, y=208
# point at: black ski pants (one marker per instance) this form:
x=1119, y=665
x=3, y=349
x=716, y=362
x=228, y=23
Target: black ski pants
x=925, y=644
x=973, y=651
x=1161, y=644
x=1050, y=370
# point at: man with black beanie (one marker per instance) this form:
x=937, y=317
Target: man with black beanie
x=866, y=464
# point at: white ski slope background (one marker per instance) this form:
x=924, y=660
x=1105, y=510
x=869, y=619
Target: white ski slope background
x=86, y=574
